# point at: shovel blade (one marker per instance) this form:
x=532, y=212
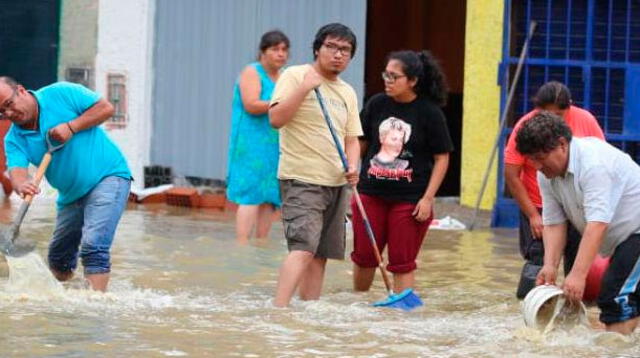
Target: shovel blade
x=9, y=246
x=17, y=249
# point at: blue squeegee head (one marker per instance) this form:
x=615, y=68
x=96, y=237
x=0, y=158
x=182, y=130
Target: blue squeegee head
x=406, y=300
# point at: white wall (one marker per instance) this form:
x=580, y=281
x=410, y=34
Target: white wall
x=78, y=37
x=125, y=46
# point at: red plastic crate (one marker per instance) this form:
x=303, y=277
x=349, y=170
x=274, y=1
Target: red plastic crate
x=213, y=201
x=183, y=197
x=155, y=199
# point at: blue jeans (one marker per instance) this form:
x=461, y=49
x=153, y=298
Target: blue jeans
x=89, y=224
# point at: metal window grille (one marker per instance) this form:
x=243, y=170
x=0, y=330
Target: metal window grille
x=79, y=75
x=117, y=94
x=593, y=46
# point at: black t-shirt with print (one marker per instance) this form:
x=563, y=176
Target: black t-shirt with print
x=402, y=137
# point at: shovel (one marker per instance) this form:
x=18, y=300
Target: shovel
x=406, y=300
x=8, y=237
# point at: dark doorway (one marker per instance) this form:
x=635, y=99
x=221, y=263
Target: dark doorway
x=435, y=25
x=29, y=41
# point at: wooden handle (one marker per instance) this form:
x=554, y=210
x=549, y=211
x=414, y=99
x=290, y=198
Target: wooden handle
x=42, y=168
x=372, y=239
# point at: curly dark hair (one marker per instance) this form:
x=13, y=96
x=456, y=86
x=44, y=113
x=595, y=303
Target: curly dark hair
x=542, y=133
x=423, y=65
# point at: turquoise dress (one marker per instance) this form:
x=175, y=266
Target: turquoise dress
x=253, y=151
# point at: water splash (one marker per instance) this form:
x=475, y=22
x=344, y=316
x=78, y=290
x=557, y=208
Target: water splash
x=30, y=282
x=29, y=275
x=172, y=296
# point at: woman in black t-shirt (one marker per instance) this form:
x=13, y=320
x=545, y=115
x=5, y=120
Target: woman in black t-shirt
x=405, y=148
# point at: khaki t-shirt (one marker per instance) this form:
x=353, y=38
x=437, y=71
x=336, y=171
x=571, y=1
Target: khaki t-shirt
x=307, y=151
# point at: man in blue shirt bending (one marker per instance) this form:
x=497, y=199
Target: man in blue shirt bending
x=89, y=171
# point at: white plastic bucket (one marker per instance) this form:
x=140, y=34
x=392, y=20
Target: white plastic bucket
x=541, y=303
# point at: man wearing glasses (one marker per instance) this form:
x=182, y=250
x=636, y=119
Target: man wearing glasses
x=89, y=171
x=312, y=180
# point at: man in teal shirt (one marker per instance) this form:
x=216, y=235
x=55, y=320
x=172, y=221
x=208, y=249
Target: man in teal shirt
x=89, y=171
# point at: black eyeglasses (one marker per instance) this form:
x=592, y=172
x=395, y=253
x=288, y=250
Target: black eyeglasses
x=391, y=77
x=8, y=103
x=333, y=49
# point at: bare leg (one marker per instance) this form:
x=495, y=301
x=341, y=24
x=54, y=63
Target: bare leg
x=265, y=219
x=62, y=276
x=98, y=281
x=402, y=281
x=626, y=327
x=312, y=279
x=291, y=271
x=246, y=218
x=363, y=277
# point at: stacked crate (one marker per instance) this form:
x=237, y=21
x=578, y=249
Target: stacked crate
x=156, y=175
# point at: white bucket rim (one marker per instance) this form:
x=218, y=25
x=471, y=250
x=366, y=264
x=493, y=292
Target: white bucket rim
x=536, y=298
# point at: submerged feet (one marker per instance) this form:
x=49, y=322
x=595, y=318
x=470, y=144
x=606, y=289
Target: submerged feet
x=62, y=276
x=97, y=282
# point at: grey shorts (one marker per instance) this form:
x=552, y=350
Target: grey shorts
x=314, y=217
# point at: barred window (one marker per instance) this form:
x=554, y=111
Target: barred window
x=79, y=75
x=117, y=95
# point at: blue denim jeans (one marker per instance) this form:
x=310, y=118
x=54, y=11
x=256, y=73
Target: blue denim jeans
x=88, y=225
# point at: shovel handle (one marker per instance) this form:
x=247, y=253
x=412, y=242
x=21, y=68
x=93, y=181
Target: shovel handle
x=42, y=168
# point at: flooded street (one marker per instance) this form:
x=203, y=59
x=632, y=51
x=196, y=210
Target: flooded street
x=182, y=286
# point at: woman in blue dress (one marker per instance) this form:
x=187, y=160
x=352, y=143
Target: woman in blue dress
x=253, y=146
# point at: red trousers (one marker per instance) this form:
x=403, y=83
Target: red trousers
x=393, y=226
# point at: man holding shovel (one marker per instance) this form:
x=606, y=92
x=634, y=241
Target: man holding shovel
x=89, y=171
x=312, y=178
x=596, y=187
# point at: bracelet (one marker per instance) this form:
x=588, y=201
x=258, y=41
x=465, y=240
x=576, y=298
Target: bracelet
x=71, y=129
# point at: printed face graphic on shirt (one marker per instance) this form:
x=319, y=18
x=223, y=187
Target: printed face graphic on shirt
x=392, y=161
x=392, y=144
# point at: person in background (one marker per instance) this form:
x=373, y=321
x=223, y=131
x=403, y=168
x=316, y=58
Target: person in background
x=90, y=172
x=405, y=148
x=253, y=145
x=312, y=179
x=520, y=176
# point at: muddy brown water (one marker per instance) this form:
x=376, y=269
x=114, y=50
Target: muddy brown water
x=182, y=286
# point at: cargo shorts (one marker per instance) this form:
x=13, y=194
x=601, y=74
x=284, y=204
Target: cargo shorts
x=313, y=217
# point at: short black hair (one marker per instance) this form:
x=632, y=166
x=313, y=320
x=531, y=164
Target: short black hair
x=273, y=38
x=553, y=92
x=338, y=31
x=541, y=133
